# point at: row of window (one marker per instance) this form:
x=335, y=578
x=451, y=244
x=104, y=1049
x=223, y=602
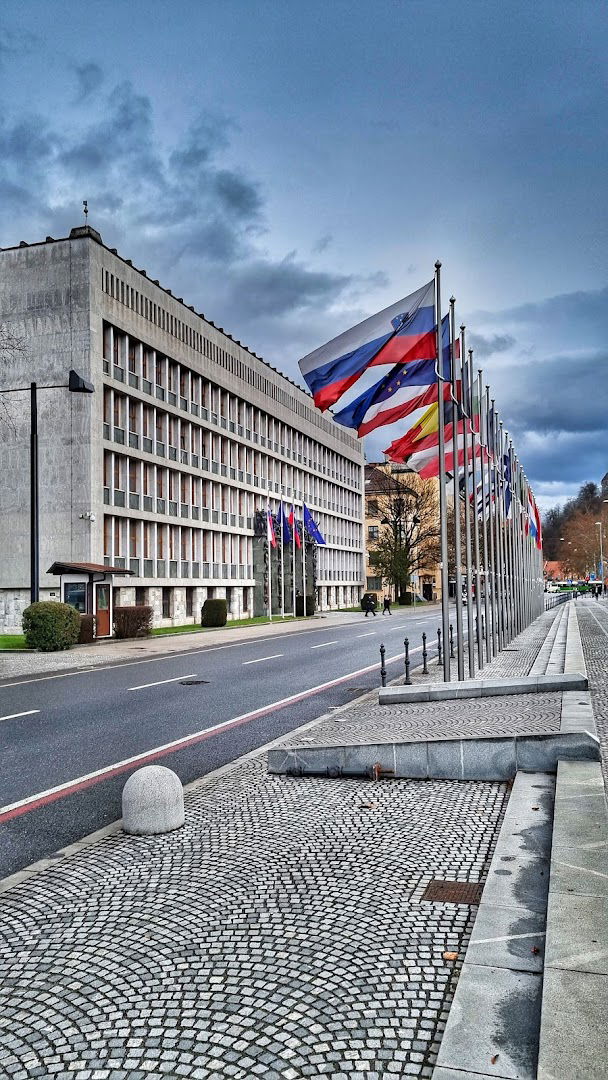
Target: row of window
x=162, y=318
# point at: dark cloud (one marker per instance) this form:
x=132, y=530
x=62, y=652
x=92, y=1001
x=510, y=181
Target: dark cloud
x=89, y=78
x=274, y=288
x=15, y=42
x=563, y=394
x=322, y=244
x=484, y=346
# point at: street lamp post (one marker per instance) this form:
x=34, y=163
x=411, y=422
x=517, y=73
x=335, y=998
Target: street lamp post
x=76, y=385
x=599, y=525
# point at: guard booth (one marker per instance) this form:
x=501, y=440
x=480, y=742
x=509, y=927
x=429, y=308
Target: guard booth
x=88, y=588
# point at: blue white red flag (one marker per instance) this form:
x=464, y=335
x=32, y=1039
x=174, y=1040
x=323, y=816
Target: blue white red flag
x=311, y=526
x=270, y=536
x=405, y=389
x=507, y=475
x=403, y=332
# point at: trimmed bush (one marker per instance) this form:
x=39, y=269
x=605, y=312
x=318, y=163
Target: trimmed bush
x=50, y=627
x=87, y=629
x=310, y=605
x=214, y=613
x=134, y=621
x=366, y=597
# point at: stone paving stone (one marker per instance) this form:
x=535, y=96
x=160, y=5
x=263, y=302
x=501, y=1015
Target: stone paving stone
x=593, y=625
x=280, y=933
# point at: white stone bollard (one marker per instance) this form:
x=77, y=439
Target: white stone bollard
x=152, y=802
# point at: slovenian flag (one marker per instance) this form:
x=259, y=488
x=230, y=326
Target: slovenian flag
x=403, y=332
x=405, y=389
x=294, y=527
x=270, y=536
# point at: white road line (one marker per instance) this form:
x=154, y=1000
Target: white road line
x=14, y=715
x=161, y=682
x=372, y=633
x=108, y=770
x=323, y=644
x=261, y=658
x=602, y=628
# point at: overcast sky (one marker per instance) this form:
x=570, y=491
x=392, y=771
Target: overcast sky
x=290, y=168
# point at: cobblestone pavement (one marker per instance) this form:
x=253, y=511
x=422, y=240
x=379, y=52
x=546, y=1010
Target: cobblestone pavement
x=593, y=624
x=517, y=714
x=280, y=934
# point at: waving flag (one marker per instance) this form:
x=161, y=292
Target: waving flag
x=507, y=475
x=311, y=526
x=405, y=331
x=283, y=525
x=425, y=432
x=294, y=527
x=270, y=536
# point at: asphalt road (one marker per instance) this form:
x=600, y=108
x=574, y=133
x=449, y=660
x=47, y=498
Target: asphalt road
x=84, y=732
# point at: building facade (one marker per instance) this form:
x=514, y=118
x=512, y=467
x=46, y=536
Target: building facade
x=167, y=470
x=385, y=483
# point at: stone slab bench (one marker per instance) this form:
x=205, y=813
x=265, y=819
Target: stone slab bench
x=492, y=757
x=473, y=688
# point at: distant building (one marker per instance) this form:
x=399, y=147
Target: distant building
x=167, y=470
x=385, y=481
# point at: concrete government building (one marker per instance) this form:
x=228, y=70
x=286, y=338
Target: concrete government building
x=166, y=471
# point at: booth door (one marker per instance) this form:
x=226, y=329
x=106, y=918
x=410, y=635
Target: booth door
x=102, y=608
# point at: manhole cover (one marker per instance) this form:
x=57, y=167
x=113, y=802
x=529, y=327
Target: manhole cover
x=194, y=682
x=453, y=892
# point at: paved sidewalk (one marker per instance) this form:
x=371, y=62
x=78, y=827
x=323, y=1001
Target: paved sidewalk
x=593, y=623
x=281, y=933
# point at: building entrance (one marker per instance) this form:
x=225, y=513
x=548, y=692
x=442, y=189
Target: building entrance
x=102, y=609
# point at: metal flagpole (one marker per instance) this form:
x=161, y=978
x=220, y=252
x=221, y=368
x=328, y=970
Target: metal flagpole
x=502, y=542
x=269, y=563
x=492, y=512
x=443, y=534
x=293, y=563
x=466, y=399
x=456, y=487
x=282, y=554
x=508, y=572
x=518, y=538
x=476, y=445
x=487, y=504
x=305, y=608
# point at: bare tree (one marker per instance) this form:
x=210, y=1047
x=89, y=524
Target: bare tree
x=12, y=350
x=408, y=536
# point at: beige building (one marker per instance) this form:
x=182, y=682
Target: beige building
x=168, y=469
x=384, y=482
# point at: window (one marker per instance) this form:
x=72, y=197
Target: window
x=374, y=584
x=373, y=532
x=167, y=602
x=372, y=507
x=75, y=594
x=141, y=595
x=189, y=601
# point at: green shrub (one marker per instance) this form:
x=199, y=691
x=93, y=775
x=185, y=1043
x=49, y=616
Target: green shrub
x=50, y=627
x=87, y=629
x=365, y=597
x=310, y=605
x=134, y=621
x=214, y=613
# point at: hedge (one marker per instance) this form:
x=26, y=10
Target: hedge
x=310, y=605
x=87, y=629
x=50, y=626
x=134, y=621
x=214, y=613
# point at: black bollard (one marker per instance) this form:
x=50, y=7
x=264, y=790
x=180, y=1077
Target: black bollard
x=382, y=666
x=408, y=681
x=425, y=669
x=451, y=642
x=439, y=656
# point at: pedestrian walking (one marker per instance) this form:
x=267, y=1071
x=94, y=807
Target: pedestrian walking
x=386, y=610
x=369, y=606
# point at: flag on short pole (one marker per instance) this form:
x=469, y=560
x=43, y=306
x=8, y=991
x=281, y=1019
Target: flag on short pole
x=270, y=535
x=311, y=526
x=405, y=331
x=294, y=527
x=283, y=524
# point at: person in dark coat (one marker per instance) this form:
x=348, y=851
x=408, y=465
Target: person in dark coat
x=386, y=610
x=369, y=606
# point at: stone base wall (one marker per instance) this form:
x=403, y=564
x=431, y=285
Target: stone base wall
x=13, y=603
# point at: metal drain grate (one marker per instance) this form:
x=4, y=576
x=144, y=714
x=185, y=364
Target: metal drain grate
x=194, y=682
x=453, y=892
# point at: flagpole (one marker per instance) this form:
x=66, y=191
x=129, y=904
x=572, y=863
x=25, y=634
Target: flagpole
x=502, y=544
x=494, y=560
x=269, y=563
x=282, y=555
x=443, y=535
x=467, y=504
x=483, y=427
x=456, y=488
x=476, y=444
x=305, y=608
